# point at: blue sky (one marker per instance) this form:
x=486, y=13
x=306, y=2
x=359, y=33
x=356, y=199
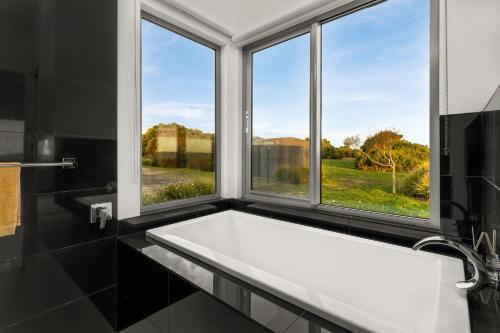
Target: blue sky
x=178, y=80
x=375, y=77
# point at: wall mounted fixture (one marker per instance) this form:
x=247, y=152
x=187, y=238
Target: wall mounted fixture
x=66, y=163
x=101, y=213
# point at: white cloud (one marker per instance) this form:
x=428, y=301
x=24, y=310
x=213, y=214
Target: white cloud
x=189, y=114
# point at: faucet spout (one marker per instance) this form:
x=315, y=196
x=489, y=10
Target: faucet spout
x=479, y=279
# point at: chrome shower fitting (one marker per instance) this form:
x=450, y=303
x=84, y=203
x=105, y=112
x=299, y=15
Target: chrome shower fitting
x=492, y=258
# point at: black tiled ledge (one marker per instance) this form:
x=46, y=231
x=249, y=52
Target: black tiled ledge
x=156, y=218
x=372, y=228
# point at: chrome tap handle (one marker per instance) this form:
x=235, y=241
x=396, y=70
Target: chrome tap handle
x=103, y=218
x=480, y=278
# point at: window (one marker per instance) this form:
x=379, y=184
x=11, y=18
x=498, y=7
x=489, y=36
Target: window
x=179, y=115
x=340, y=116
x=280, y=127
x=375, y=109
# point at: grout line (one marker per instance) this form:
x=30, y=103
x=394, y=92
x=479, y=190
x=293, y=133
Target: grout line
x=492, y=183
x=87, y=189
x=68, y=247
x=294, y=321
x=58, y=307
x=7, y=2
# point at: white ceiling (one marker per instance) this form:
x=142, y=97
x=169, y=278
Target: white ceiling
x=240, y=16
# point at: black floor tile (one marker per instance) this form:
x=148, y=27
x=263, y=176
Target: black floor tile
x=45, y=281
x=90, y=314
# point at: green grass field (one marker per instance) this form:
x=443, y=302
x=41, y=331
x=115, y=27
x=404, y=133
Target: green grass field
x=165, y=184
x=345, y=186
x=342, y=185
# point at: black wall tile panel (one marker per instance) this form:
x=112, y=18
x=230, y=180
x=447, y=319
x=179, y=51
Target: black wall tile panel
x=58, y=99
x=56, y=220
x=96, y=160
x=93, y=15
x=461, y=173
x=491, y=170
x=144, y=283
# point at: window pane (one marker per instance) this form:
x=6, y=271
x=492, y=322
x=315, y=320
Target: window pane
x=178, y=116
x=280, y=118
x=375, y=109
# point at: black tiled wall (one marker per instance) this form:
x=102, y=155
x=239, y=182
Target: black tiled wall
x=58, y=99
x=491, y=173
x=470, y=174
x=461, y=174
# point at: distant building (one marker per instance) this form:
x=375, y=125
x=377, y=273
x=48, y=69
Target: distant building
x=182, y=147
x=270, y=154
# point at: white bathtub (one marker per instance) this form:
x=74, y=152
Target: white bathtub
x=360, y=284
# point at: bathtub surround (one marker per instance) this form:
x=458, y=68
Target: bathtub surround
x=58, y=99
x=335, y=288
x=189, y=276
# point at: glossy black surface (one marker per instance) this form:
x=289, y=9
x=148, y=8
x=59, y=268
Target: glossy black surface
x=95, y=313
x=58, y=99
x=154, y=219
x=187, y=307
x=461, y=174
x=491, y=172
x=155, y=299
x=43, y=282
x=93, y=15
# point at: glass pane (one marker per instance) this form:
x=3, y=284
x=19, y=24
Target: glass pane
x=280, y=118
x=375, y=109
x=178, y=116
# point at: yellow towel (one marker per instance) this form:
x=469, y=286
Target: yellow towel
x=10, y=199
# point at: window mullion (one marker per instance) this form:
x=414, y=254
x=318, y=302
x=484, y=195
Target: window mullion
x=315, y=115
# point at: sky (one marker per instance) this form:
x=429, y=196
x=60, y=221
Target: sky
x=375, y=76
x=178, y=80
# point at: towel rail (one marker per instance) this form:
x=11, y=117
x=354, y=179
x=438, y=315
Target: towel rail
x=66, y=163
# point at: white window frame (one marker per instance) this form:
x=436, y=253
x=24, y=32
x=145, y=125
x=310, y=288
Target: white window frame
x=129, y=101
x=313, y=26
x=145, y=15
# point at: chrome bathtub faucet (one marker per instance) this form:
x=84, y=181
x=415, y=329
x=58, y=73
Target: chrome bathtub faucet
x=480, y=278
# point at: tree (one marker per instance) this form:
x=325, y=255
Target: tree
x=327, y=149
x=379, y=147
x=150, y=141
x=353, y=142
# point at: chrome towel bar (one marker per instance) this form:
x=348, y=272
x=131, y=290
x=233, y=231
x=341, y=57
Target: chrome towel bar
x=66, y=163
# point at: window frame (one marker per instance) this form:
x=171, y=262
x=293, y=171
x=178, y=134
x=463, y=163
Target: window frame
x=144, y=15
x=314, y=27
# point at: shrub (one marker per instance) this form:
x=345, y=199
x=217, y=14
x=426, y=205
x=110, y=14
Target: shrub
x=407, y=157
x=180, y=191
x=292, y=175
x=417, y=183
x=328, y=151
x=147, y=161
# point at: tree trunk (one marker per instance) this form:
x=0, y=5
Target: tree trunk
x=393, y=178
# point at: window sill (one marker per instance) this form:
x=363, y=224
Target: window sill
x=362, y=226
x=169, y=215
